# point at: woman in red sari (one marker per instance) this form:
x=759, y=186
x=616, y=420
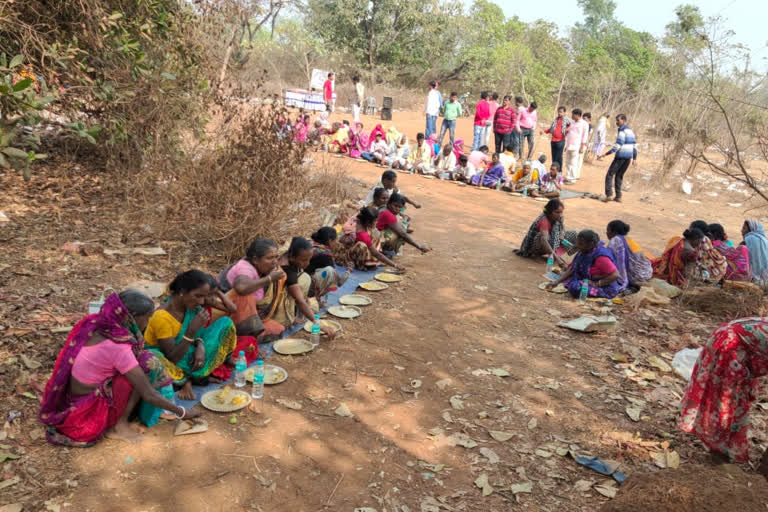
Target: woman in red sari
x=101, y=374
x=678, y=262
x=723, y=387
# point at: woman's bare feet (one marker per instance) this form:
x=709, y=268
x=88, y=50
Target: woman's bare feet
x=186, y=393
x=123, y=431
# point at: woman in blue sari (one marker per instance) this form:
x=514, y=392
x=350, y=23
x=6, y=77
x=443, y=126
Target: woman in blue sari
x=632, y=265
x=594, y=263
x=757, y=243
x=181, y=334
x=492, y=177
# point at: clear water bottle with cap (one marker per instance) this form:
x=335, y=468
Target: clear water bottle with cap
x=525, y=192
x=550, y=263
x=257, y=388
x=705, y=275
x=584, y=291
x=314, y=336
x=240, y=366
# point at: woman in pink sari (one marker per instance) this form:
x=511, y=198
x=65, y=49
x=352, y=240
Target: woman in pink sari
x=301, y=129
x=358, y=141
x=102, y=373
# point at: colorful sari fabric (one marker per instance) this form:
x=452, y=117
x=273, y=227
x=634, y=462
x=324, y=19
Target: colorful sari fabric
x=393, y=136
x=282, y=305
x=81, y=420
x=377, y=130
x=350, y=252
x=300, y=132
x=434, y=147
x=674, y=266
x=632, y=265
x=737, y=259
x=490, y=178
x=711, y=261
x=724, y=385
x=358, y=141
x=582, y=265
x=219, y=340
x=757, y=243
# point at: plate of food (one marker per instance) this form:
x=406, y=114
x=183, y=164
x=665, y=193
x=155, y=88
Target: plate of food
x=345, y=311
x=353, y=299
x=272, y=374
x=386, y=277
x=225, y=399
x=336, y=326
x=373, y=286
x=293, y=346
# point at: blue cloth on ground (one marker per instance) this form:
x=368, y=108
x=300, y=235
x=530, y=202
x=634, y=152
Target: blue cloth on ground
x=265, y=349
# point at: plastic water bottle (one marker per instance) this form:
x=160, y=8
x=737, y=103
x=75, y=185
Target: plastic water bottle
x=705, y=275
x=525, y=192
x=257, y=388
x=584, y=291
x=314, y=336
x=550, y=263
x=240, y=365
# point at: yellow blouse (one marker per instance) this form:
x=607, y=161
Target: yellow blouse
x=162, y=325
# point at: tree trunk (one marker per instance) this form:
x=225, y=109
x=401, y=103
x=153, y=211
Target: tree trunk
x=560, y=91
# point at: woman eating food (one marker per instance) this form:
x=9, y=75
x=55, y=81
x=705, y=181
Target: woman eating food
x=103, y=372
x=182, y=336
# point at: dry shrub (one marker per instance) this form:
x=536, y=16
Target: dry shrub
x=725, y=303
x=246, y=183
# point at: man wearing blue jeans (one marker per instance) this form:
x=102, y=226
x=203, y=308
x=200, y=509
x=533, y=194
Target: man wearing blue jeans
x=451, y=112
x=432, y=110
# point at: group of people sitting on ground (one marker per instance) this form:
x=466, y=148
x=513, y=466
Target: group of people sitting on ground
x=133, y=358
x=619, y=266
x=391, y=148
x=703, y=255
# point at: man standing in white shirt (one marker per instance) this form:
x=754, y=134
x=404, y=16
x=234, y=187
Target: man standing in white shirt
x=575, y=144
x=432, y=110
x=358, y=99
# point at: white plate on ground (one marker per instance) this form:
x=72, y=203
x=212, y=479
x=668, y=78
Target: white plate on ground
x=386, y=277
x=373, y=286
x=226, y=399
x=355, y=299
x=272, y=374
x=345, y=311
x=293, y=346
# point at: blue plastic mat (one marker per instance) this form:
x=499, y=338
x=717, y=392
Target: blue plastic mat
x=265, y=349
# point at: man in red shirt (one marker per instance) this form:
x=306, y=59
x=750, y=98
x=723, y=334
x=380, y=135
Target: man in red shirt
x=482, y=115
x=558, y=129
x=328, y=88
x=504, y=124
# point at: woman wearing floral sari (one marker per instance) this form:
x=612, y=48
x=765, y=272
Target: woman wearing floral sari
x=723, y=388
x=183, y=338
x=737, y=258
x=547, y=235
x=594, y=263
x=633, y=267
x=101, y=374
x=358, y=141
x=690, y=257
x=360, y=245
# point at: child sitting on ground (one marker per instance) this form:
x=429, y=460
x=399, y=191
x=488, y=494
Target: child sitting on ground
x=316, y=134
x=461, y=172
x=388, y=182
x=378, y=151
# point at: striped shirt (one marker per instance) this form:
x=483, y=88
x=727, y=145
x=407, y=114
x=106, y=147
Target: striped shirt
x=505, y=120
x=626, y=145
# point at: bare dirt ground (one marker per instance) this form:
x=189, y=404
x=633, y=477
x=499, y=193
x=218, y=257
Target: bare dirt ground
x=407, y=369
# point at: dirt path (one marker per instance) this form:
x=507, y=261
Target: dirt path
x=469, y=305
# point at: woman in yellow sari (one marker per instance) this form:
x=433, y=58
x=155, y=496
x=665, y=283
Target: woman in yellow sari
x=182, y=336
